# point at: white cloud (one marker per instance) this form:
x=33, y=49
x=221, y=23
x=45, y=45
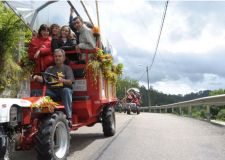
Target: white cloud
x=190, y=54
x=184, y=85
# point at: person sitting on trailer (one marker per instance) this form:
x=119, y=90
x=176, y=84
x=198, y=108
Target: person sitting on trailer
x=66, y=40
x=39, y=51
x=71, y=24
x=63, y=89
x=83, y=31
x=86, y=37
x=54, y=31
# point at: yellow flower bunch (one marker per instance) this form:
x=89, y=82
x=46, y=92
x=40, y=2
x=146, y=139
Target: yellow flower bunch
x=105, y=63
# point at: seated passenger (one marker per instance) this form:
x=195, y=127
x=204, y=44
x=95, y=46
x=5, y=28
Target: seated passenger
x=40, y=49
x=63, y=88
x=54, y=31
x=66, y=41
x=86, y=37
x=71, y=24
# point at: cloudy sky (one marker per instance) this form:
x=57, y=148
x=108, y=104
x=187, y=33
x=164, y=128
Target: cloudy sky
x=191, y=51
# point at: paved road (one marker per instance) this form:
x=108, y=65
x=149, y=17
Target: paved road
x=148, y=136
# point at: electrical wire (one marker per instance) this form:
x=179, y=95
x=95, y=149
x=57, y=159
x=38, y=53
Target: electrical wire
x=157, y=44
x=141, y=76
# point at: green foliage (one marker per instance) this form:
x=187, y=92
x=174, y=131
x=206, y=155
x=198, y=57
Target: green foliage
x=221, y=115
x=11, y=31
x=198, y=112
x=217, y=92
x=123, y=84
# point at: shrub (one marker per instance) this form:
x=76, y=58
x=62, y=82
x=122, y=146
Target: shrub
x=221, y=115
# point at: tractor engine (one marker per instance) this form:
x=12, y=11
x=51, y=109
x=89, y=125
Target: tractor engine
x=15, y=125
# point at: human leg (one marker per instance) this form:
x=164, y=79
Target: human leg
x=36, y=93
x=53, y=94
x=66, y=96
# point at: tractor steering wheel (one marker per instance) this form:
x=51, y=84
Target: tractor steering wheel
x=45, y=76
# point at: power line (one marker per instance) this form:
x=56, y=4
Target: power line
x=141, y=76
x=163, y=19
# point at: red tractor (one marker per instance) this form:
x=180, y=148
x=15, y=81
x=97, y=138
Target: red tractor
x=132, y=101
x=23, y=125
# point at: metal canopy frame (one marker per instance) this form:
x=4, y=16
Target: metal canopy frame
x=36, y=11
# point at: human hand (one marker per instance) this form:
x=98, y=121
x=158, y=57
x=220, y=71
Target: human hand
x=78, y=48
x=37, y=78
x=61, y=80
x=36, y=55
x=71, y=10
x=43, y=46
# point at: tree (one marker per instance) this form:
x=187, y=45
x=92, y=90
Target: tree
x=11, y=30
x=217, y=92
x=123, y=84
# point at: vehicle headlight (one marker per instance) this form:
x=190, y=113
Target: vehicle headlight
x=13, y=116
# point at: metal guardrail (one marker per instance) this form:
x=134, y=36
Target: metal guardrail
x=205, y=102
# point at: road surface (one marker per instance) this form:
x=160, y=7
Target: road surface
x=147, y=136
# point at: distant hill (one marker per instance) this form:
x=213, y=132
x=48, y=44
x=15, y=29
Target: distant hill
x=159, y=98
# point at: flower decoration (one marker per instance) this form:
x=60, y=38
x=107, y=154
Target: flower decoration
x=43, y=103
x=104, y=62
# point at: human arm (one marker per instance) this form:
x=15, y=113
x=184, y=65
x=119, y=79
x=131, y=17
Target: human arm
x=89, y=42
x=45, y=48
x=67, y=82
x=54, y=44
x=33, y=47
x=69, y=77
x=37, y=78
x=71, y=20
x=38, y=47
x=70, y=45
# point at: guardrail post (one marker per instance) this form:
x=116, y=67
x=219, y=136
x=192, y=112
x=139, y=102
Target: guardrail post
x=189, y=111
x=172, y=110
x=208, y=114
x=159, y=110
x=180, y=110
x=165, y=110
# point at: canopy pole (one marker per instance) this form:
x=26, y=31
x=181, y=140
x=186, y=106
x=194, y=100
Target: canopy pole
x=85, y=9
x=71, y=5
x=96, y=2
x=37, y=11
x=18, y=15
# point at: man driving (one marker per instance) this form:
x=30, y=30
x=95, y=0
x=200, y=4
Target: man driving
x=62, y=89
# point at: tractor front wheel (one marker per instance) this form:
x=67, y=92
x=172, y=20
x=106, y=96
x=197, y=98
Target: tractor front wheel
x=108, y=121
x=53, y=138
x=3, y=143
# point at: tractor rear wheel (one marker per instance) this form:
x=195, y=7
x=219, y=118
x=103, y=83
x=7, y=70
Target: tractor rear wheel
x=53, y=138
x=128, y=109
x=108, y=121
x=138, y=110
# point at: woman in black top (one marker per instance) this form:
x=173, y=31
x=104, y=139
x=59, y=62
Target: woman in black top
x=66, y=40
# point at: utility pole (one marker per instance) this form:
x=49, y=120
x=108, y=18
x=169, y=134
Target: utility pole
x=149, y=102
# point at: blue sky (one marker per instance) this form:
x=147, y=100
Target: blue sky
x=191, y=52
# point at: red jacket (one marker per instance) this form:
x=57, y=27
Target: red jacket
x=45, y=58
